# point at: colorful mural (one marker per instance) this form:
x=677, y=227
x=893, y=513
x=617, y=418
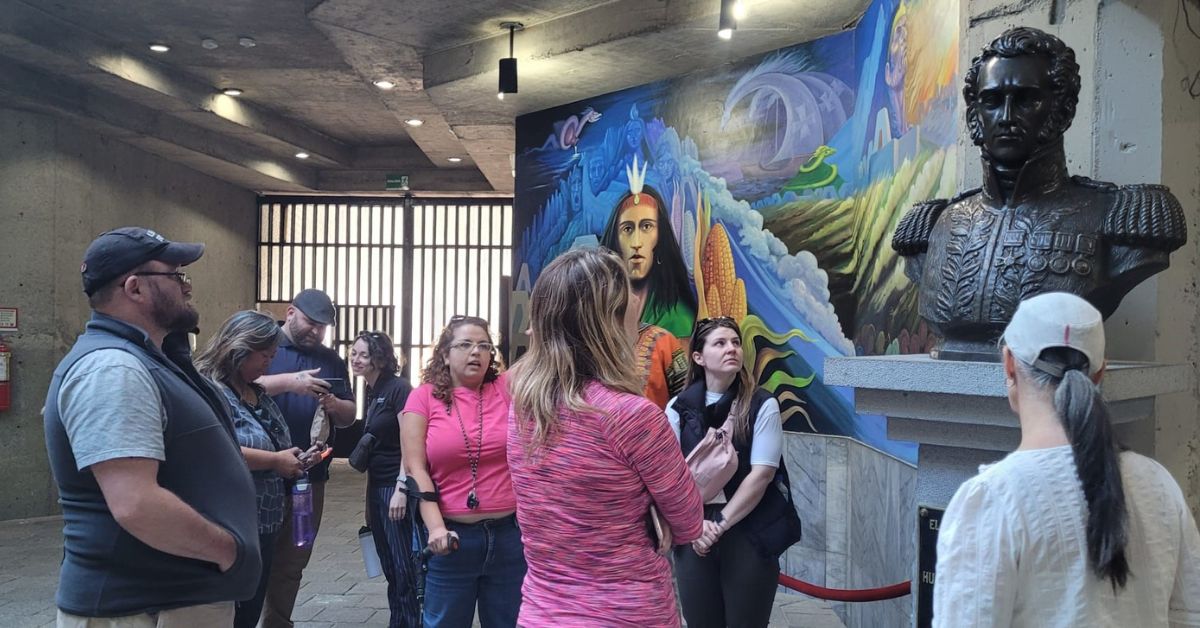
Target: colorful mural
x=774, y=185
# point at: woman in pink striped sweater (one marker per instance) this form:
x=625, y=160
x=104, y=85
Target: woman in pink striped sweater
x=589, y=456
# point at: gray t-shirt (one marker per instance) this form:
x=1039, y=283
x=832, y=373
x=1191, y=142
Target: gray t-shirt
x=111, y=408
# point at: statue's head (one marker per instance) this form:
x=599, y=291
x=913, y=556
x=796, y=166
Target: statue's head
x=1021, y=93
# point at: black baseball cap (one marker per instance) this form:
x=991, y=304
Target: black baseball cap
x=119, y=251
x=316, y=305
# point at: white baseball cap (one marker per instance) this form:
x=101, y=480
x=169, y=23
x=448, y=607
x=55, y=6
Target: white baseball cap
x=1056, y=319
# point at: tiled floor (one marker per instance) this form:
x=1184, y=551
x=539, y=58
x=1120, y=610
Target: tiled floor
x=335, y=593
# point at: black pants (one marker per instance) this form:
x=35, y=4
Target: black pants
x=247, y=612
x=733, y=586
x=393, y=544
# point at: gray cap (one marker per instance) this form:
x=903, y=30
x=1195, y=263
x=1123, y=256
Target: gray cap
x=1056, y=319
x=119, y=251
x=316, y=305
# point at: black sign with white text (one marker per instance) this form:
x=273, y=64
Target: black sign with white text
x=927, y=534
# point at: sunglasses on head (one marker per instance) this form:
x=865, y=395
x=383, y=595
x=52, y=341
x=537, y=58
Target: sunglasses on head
x=714, y=320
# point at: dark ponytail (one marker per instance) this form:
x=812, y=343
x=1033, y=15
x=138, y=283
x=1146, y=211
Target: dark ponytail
x=1085, y=417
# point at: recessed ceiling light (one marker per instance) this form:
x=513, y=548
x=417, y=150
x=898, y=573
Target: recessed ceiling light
x=156, y=47
x=725, y=33
x=301, y=155
x=231, y=91
x=500, y=95
x=384, y=84
x=247, y=42
x=208, y=43
x=414, y=122
x=454, y=160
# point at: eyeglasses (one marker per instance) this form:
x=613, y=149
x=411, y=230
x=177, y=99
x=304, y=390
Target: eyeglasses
x=180, y=277
x=468, y=346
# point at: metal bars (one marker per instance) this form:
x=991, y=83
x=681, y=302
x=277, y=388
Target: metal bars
x=399, y=265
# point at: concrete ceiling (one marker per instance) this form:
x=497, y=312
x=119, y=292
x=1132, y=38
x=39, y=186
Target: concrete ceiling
x=307, y=81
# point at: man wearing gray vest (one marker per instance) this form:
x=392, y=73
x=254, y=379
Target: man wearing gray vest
x=159, y=512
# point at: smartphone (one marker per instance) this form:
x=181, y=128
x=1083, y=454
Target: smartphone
x=336, y=384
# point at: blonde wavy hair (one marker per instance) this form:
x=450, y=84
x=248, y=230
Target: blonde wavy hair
x=577, y=310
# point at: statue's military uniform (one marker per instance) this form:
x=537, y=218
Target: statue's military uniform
x=976, y=256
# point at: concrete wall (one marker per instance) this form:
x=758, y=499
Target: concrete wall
x=60, y=186
x=1136, y=123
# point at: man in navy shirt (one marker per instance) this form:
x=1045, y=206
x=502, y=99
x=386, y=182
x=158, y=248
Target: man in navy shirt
x=296, y=381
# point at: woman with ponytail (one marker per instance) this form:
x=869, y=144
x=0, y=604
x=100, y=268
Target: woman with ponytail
x=1069, y=530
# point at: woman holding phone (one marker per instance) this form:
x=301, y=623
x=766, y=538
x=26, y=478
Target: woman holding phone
x=234, y=357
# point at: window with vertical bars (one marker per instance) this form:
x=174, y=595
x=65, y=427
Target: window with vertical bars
x=401, y=266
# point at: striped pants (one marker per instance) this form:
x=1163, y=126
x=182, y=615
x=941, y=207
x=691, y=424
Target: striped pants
x=393, y=543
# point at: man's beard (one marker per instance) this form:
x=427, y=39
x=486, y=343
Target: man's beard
x=173, y=316
x=302, y=340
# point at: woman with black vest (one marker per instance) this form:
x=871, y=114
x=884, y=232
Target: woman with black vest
x=731, y=581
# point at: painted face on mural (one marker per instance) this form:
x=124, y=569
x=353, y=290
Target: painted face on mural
x=664, y=162
x=637, y=233
x=1014, y=105
x=596, y=167
x=633, y=134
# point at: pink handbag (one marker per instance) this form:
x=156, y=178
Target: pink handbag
x=714, y=461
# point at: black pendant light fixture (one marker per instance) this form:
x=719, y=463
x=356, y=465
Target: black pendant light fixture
x=731, y=12
x=508, y=65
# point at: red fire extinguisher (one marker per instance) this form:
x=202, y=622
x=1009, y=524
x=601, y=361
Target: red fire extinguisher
x=5, y=377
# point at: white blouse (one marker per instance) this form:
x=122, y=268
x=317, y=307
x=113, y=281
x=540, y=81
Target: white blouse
x=1012, y=549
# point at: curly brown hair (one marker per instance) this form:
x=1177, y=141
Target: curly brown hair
x=437, y=372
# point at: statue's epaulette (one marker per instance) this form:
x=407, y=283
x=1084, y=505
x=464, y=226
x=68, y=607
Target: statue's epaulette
x=1146, y=216
x=912, y=234
x=1088, y=182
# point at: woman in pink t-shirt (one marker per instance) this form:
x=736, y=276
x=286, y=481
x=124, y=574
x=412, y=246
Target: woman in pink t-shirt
x=589, y=456
x=454, y=435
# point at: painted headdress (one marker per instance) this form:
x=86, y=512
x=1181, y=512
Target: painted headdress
x=637, y=182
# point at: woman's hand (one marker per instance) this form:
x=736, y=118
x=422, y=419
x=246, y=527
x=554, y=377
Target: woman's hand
x=665, y=541
x=287, y=463
x=440, y=541
x=398, y=506
x=708, y=538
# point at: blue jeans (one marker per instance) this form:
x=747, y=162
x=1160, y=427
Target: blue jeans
x=488, y=568
x=393, y=543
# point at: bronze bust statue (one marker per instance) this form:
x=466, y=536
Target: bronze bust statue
x=1031, y=228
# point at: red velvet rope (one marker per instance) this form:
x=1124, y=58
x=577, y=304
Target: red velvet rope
x=847, y=595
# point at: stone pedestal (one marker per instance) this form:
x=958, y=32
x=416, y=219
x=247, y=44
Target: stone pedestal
x=958, y=413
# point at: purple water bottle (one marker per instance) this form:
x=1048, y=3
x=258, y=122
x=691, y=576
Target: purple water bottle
x=303, y=533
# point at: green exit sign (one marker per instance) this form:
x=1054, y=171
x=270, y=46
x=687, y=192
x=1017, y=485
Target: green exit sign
x=396, y=182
